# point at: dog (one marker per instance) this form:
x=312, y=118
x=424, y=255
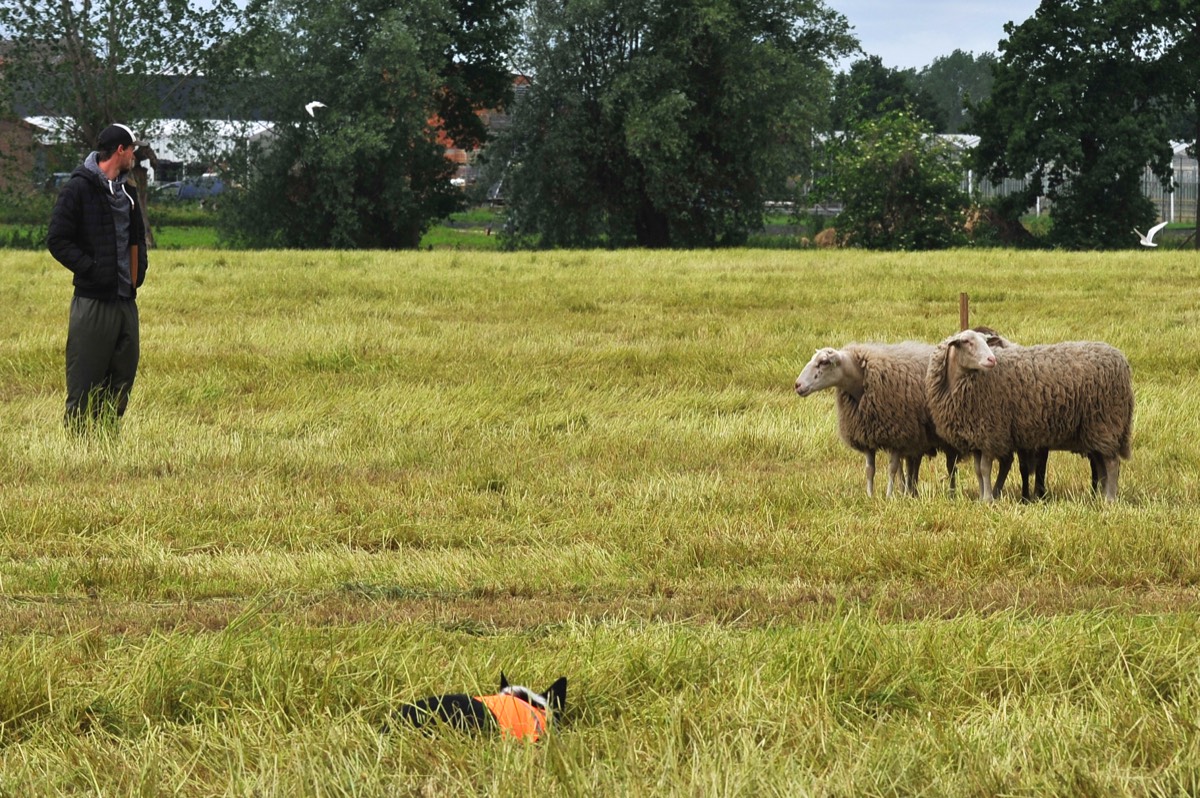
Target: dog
x=514, y=711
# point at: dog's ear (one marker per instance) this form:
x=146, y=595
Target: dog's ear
x=556, y=695
x=503, y=681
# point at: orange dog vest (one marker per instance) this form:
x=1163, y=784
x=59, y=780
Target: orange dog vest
x=515, y=717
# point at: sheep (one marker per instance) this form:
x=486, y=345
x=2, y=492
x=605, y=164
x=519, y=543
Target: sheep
x=881, y=405
x=1033, y=463
x=1075, y=396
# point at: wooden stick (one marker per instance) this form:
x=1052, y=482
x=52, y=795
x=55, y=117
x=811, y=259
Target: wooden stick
x=963, y=312
x=133, y=263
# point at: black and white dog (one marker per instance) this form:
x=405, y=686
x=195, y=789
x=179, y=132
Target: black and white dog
x=514, y=711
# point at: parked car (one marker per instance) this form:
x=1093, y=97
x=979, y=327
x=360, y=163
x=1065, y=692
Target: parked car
x=55, y=181
x=192, y=188
x=166, y=190
x=206, y=185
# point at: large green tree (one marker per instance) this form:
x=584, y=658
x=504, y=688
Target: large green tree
x=88, y=64
x=953, y=80
x=399, y=80
x=869, y=90
x=1080, y=104
x=656, y=123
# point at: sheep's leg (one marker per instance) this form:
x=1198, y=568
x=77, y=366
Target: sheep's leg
x=1112, y=472
x=914, y=471
x=1028, y=464
x=895, y=473
x=1041, y=458
x=871, y=474
x=952, y=471
x=1096, y=461
x=1005, y=466
x=983, y=473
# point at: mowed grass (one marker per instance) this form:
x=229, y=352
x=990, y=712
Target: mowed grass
x=351, y=479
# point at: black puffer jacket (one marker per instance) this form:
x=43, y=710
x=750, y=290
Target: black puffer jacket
x=83, y=237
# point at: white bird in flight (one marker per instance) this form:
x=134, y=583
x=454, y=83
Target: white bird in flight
x=1148, y=239
x=312, y=107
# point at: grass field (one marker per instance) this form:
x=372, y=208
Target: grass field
x=466, y=231
x=351, y=479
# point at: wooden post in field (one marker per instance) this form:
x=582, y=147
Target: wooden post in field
x=963, y=312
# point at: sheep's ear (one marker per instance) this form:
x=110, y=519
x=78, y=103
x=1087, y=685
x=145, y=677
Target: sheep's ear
x=556, y=694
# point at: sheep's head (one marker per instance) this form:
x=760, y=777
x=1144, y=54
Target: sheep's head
x=969, y=351
x=825, y=370
x=994, y=339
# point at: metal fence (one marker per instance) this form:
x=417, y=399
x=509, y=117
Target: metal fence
x=1176, y=205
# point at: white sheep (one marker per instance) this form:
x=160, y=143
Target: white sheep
x=1033, y=463
x=1075, y=396
x=881, y=405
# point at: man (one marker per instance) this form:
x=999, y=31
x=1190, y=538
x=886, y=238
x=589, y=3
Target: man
x=96, y=231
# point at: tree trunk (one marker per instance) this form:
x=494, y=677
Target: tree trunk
x=140, y=177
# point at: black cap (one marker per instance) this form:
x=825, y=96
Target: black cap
x=117, y=135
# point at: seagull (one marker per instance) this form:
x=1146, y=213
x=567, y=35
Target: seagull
x=1148, y=239
x=312, y=107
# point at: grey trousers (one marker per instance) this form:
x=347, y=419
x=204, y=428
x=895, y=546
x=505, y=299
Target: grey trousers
x=102, y=358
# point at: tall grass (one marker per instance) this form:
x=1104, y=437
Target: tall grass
x=350, y=479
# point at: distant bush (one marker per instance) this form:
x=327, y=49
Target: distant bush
x=900, y=186
x=26, y=209
x=180, y=214
x=1039, y=226
x=35, y=209
x=23, y=237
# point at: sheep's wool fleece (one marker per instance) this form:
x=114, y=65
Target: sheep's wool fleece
x=1075, y=396
x=891, y=413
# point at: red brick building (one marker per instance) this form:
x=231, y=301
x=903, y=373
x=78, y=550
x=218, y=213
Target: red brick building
x=22, y=157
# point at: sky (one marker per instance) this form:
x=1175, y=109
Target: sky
x=912, y=33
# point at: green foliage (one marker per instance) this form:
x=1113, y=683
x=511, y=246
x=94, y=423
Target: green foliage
x=663, y=124
x=22, y=237
x=187, y=237
x=900, y=186
x=180, y=214
x=955, y=80
x=1078, y=106
x=368, y=170
x=870, y=90
x=26, y=208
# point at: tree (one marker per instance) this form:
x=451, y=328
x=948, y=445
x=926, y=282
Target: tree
x=953, y=80
x=900, y=185
x=870, y=90
x=1078, y=105
x=658, y=124
x=87, y=65
x=398, y=80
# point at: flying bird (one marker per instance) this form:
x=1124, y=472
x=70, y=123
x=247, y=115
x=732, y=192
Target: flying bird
x=1148, y=239
x=312, y=107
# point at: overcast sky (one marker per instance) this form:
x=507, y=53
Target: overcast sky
x=912, y=33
